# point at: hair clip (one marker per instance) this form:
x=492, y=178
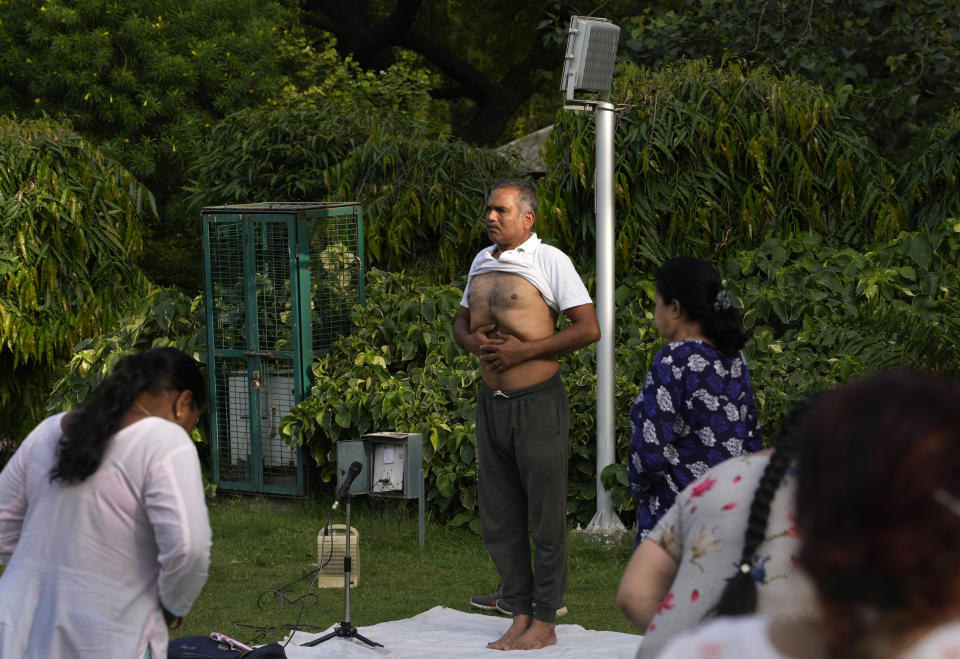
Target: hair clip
x=722, y=301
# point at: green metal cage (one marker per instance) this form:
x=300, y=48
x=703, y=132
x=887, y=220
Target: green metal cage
x=280, y=282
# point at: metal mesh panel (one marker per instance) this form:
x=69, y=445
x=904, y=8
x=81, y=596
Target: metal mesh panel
x=271, y=246
x=335, y=268
x=253, y=308
x=226, y=274
x=276, y=399
x=233, y=418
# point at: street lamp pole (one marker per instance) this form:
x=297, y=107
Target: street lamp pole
x=606, y=519
x=589, y=64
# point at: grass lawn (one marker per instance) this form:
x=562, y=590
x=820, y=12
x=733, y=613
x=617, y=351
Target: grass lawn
x=262, y=544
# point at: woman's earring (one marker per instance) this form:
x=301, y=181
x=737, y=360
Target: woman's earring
x=178, y=414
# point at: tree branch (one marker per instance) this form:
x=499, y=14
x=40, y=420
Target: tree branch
x=370, y=45
x=475, y=83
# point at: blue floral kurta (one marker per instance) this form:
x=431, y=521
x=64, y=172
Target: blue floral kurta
x=696, y=409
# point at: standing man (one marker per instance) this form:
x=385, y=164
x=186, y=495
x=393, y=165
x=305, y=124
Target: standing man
x=515, y=291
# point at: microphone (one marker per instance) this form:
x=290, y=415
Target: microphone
x=352, y=473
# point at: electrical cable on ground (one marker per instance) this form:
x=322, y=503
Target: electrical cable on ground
x=260, y=632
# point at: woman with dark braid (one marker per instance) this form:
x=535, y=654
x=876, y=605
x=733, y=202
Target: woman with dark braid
x=878, y=508
x=681, y=572
x=696, y=407
x=103, y=524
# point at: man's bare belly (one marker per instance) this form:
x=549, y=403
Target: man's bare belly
x=516, y=307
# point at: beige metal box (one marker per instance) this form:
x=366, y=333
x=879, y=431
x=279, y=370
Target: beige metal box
x=331, y=550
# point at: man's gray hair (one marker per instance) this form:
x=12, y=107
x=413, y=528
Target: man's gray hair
x=526, y=190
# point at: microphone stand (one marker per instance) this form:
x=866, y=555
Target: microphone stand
x=344, y=629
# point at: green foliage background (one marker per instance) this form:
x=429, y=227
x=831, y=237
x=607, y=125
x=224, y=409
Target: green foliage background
x=892, y=61
x=147, y=79
x=813, y=155
x=70, y=230
x=711, y=160
x=422, y=194
x=162, y=317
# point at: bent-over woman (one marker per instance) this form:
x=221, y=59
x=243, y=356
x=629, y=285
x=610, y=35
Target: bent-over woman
x=103, y=524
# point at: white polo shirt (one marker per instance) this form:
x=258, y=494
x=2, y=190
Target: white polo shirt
x=546, y=267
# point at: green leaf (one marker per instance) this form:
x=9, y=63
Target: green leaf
x=445, y=485
x=343, y=417
x=918, y=248
x=462, y=518
x=830, y=280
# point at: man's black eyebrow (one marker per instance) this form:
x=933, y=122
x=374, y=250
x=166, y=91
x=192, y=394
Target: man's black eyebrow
x=499, y=209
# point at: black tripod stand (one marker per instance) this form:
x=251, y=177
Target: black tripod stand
x=344, y=629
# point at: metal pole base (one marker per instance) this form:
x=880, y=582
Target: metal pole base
x=606, y=523
x=343, y=630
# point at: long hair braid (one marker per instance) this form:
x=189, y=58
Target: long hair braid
x=739, y=596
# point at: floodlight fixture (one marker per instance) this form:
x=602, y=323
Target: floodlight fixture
x=591, y=57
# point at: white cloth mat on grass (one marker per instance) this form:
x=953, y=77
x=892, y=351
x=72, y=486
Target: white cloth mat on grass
x=445, y=632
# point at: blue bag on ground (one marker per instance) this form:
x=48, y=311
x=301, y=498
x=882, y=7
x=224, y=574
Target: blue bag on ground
x=204, y=647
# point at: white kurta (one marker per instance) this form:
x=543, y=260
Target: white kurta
x=88, y=564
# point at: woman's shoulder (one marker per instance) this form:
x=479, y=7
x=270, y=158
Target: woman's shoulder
x=679, y=353
x=53, y=423
x=746, y=463
x=50, y=423
x=734, y=478
x=698, y=356
x=696, y=348
x=944, y=641
x=48, y=431
x=724, y=638
x=163, y=434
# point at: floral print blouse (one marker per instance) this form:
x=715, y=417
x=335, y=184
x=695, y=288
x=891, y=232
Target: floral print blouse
x=696, y=409
x=749, y=638
x=704, y=532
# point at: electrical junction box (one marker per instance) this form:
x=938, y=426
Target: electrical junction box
x=392, y=466
x=397, y=463
x=387, y=473
x=348, y=452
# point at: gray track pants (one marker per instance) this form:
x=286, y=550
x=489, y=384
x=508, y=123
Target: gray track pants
x=522, y=451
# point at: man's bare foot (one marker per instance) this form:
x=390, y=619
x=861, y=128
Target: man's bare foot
x=526, y=633
x=517, y=628
x=539, y=634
